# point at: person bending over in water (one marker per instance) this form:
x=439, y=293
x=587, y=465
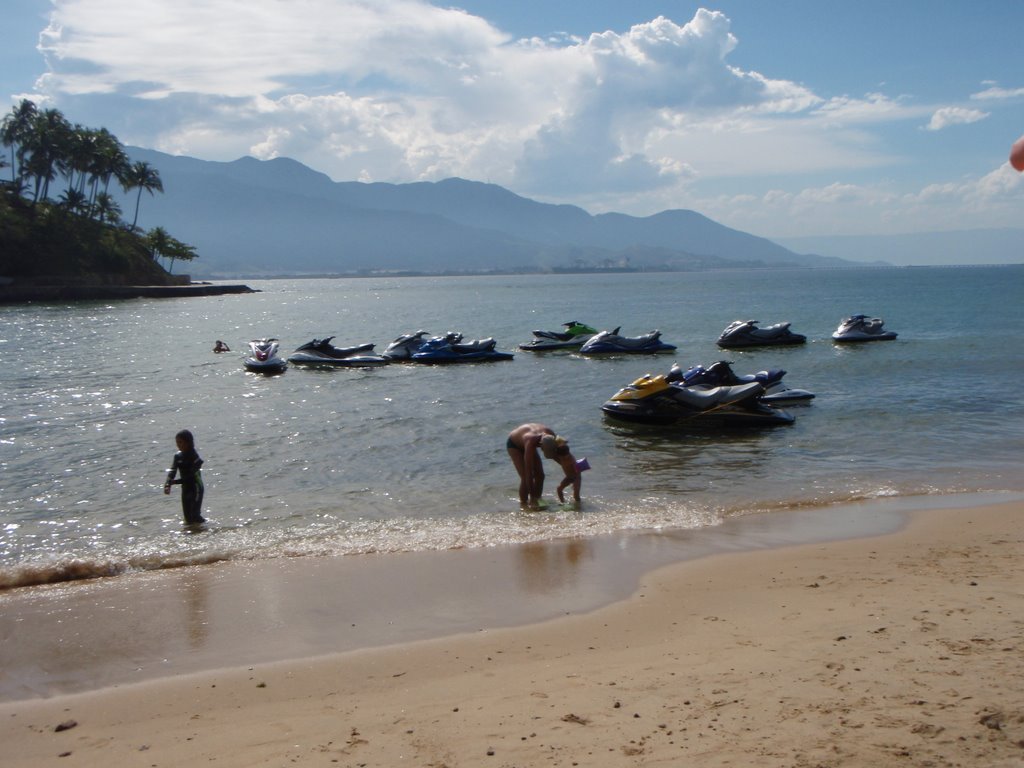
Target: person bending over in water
x=525, y=443
x=220, y=346
x=187, y=463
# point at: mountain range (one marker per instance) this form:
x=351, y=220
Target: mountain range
x=252, y=217
x=962, y=246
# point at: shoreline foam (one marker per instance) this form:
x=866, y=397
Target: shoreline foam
x=903, y=648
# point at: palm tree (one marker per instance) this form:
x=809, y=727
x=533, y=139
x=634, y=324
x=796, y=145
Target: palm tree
x=109, y=161
x=107, y=208
x=15, y=129
x=162, y=244
x=48, y=142
x=141, y=176
x=73, y=200
x=81, y=148
x=38, y=166
x=158, y=241
x=180, y=250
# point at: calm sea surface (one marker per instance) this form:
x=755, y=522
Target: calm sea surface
x=406, y=458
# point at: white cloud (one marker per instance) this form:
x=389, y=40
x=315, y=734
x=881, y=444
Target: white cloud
x=993, y=200
x=400, y=90
x=403, y=90
x=995, y=93
x=947, y=116
x=873, y=108
x=240, y=49
x=637, y=92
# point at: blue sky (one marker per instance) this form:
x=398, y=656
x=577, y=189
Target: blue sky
x=785, y=119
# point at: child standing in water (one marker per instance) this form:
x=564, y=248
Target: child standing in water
x=187, y=464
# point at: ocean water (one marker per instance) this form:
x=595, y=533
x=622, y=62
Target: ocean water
x=411, y=458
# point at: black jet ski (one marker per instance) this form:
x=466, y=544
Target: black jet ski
x=656, y=400
x=862, y=328
x=745, y=333
x=574, y=336
x=720, y=374
x=320, y=352
x=611, y=343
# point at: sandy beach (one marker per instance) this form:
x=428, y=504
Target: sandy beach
x=900, y=649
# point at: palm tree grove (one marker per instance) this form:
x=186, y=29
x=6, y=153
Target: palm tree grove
x=58, y=221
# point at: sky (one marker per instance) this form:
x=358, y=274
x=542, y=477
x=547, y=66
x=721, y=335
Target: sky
x=783, y=118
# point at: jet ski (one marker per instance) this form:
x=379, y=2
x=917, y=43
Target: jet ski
x=611, y=343
x=657, y=401
x=263, y=357
x=573, y=337
x=320, y=352
x=745, y=333
x=403, y=348
x=720, y=374
x=451, y=348
x=862, y=328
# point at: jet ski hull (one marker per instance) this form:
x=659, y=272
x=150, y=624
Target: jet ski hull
x=539, y=345
x=856, y=336
x=786, y=396
x=611, y=349
x=268, y=367
x=353, y=361
x=742, y=342
x=454, y=358
x=664, y=415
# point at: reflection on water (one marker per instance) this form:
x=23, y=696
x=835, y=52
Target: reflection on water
x=544, y=567
x=195, y=590
x=668, y=460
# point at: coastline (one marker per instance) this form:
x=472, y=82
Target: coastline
x=900, y=647
x=19, y=293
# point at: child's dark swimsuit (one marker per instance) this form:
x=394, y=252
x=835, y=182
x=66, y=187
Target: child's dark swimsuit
x=188, y=463
x=512, y=446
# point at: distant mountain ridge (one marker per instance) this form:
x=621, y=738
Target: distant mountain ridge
x=965, y=246
x=251, y=217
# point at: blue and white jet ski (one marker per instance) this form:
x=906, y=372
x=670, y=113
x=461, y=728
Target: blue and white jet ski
x=451, y=348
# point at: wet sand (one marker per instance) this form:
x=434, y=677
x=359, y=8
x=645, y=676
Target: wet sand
x=84, y=635
x=904, y=648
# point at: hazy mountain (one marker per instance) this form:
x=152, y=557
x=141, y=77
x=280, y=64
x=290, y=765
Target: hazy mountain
x=975, y=246
x=250, y=217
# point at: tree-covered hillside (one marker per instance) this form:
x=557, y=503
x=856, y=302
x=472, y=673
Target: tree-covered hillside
x=58, y=220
